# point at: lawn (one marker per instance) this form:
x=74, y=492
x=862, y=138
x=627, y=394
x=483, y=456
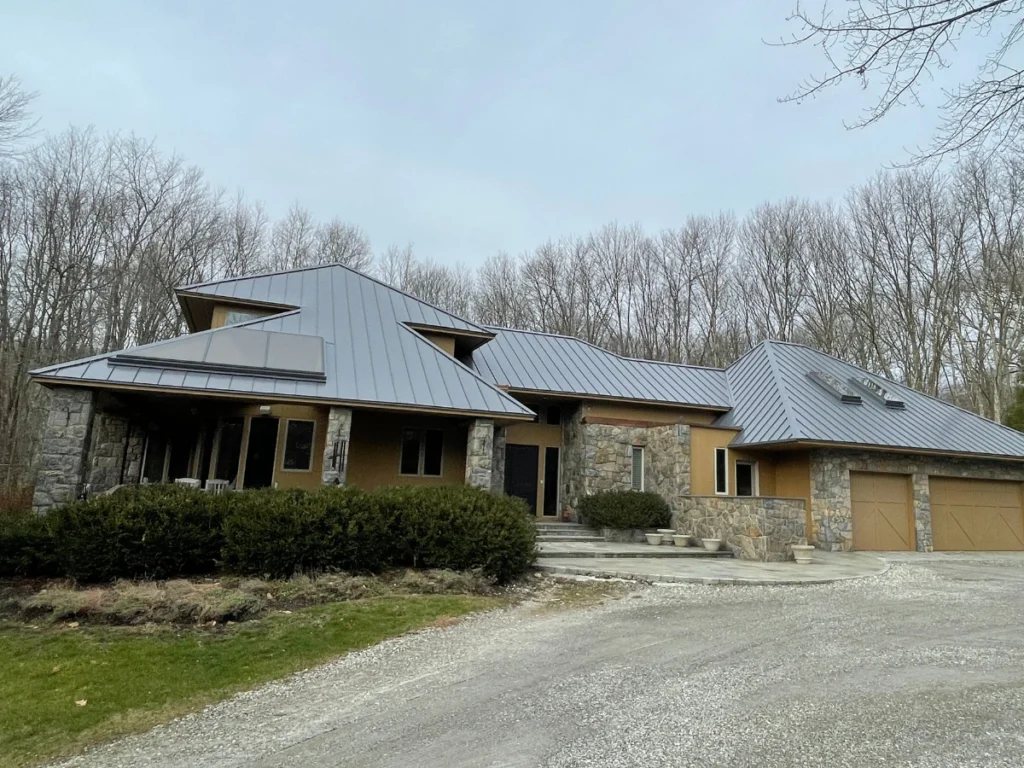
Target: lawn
x=63, y=688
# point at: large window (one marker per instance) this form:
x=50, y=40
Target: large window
x=746, y=478
x=229, y=449
x=721, y=471
x=422, y=451
x=637, y=475
x=298, y=445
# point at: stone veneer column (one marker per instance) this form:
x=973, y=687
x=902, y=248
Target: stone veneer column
x=339, y=428
x=498, y=462
x=132, y=471
x=64, y=446
x=480, y=453
x=106, y=454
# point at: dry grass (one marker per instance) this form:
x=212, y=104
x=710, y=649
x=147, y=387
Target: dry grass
x=218, y=601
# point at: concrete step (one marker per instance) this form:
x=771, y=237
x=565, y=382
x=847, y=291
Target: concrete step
x=560, y=526
x=641, y=551
x=569, y=537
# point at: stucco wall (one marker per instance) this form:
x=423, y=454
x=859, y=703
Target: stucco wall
x=831, y=515
x=753, y=527
x=375, y=449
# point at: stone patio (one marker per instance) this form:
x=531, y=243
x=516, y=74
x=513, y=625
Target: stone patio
x=826, y=567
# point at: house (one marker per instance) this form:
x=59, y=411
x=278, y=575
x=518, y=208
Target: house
x=325, y=375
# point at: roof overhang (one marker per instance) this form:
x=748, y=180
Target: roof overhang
x=197, y=307
x=465, y=340
x=258, y=397
x=554, y=394
x=799, y=444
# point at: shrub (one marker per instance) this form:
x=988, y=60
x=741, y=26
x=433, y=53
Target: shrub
x=151, y=532
x=26, y=545
x=625, y=509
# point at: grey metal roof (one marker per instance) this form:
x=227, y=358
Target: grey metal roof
x=774, y=400
x=370, y=355
x=528, y=360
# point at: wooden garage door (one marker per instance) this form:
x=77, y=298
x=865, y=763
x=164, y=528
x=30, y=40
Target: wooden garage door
x=881, y=511
x=976, y=514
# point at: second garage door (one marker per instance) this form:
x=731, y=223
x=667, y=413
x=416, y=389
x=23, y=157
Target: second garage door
x=976, y=514
x=880, y=504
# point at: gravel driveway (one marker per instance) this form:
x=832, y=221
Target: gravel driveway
x=922, y=666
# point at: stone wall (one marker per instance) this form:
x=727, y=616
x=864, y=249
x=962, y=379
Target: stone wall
x=753, y=527
x=106, y=451
x=339, y=428
x=598, y=457
x=480, y=453
x=498, y=460
x=832, y=518
x=65, y=441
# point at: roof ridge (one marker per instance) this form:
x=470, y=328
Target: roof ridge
x=460, y=365
x=783, y=394
x=602, y=349
x=271, y=273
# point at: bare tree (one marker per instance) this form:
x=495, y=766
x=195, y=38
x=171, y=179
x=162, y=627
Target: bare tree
x=15, y=124
x=902, y=42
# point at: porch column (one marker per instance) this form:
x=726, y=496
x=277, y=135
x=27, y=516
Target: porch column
x=64, y=446
x=480, y=453
x=498, y=460
x=339, y=433
x=107, y=451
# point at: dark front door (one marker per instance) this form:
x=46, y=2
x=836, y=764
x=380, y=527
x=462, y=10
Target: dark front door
x=259, y=456
x=521, y=473
x=551, y=481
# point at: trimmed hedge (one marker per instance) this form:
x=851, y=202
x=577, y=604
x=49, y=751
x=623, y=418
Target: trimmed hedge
x=625, y=510
x=157, y=532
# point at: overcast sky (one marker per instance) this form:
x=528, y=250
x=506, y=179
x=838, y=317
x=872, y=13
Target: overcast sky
x=464, y=128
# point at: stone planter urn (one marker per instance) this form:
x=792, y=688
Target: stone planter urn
x=712, y=545
x=654, y=538
x=802, y=553
x=666, y=535
x=681, y=540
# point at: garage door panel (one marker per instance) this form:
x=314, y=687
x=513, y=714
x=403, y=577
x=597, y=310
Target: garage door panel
x=880, y=504
x=976, y=515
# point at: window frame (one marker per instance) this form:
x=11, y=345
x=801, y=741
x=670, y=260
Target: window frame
x=754, y=489
x=312, y=445
x=725, y=478
x=643, y=468
x=421, y=438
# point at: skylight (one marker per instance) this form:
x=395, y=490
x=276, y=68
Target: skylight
x=887, y=397
x=835, y=387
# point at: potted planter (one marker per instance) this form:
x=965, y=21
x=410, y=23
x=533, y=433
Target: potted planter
x=654, y=538
x=666, y=535
x=712, y=545
x=681, y=540
x=802, y=552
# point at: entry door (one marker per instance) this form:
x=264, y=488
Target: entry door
x=521, y=473
x=880, y=504
x=259, y=456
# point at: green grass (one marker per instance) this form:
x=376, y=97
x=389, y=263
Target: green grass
x=132, y=679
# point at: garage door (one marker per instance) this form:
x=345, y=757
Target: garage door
x=976, y=514
x=881, y=511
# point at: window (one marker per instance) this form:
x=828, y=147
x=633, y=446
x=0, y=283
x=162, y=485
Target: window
x=233, y=316
x=637, y=479
x=156, y=454
x=554, y=415
x=721, y=471
x=746, y=478
x=422, y=450
x=298, y=445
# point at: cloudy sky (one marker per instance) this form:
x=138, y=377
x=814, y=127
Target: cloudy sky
x=463, y=127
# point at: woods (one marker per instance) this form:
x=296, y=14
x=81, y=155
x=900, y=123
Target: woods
x=915, y=274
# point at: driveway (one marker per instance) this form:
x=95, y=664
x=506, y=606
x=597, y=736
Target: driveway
x=921, y=666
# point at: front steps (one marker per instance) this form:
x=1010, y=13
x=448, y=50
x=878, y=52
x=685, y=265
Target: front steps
x=557, y=539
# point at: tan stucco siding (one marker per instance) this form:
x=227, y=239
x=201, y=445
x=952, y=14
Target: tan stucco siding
x=441, y=341
x=544, y=435
x=375, y=449
x=766, y=484
x=793, y=475
x=596, y=412
x=703, y=442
